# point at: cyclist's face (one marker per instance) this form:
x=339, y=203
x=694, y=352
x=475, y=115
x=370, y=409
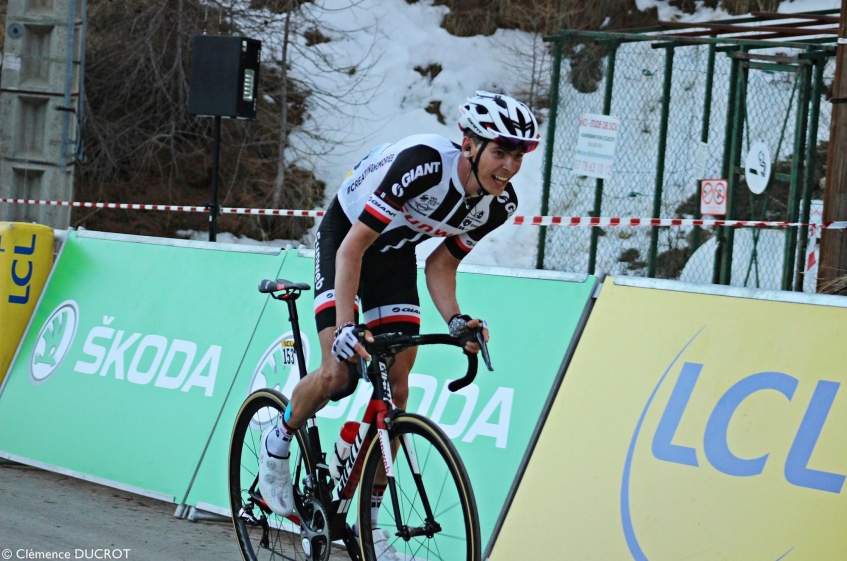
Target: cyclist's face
x=497, y=166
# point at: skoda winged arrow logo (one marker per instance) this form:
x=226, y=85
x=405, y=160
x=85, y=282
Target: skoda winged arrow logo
x=53, y=341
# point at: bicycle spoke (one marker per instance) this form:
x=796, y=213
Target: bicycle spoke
x=438, y=488
x=446, y=510
x=244, y=463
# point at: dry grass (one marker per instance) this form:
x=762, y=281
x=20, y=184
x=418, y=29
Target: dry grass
x=142, y=145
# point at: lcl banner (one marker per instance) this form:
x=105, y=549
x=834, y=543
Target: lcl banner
x=693, y=426
x=130, y=356
x=26, y=258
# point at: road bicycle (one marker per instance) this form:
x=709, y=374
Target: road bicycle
x=429, y=510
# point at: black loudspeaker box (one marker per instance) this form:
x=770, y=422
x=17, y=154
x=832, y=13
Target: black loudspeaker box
x=224, y=76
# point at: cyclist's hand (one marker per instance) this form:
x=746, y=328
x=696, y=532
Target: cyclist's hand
x=473, y=346
x=462, y=326
x=347, y=346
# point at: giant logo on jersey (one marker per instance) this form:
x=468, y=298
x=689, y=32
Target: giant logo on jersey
x=411, y=175
x=504, y=198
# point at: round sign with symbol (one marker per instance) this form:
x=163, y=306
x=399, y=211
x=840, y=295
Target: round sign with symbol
x=757, y=167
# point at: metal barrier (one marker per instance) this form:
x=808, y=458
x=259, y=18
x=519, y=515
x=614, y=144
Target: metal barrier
x=677, y=97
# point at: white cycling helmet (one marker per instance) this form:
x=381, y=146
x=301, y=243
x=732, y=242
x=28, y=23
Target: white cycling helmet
x=500, y=118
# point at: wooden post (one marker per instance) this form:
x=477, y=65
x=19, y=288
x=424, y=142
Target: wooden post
x=833, y=254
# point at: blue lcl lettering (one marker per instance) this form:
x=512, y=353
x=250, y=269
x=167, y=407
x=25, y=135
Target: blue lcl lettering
x=22, y=280
x=663, y=449
x=715, y=443
x=24, y=250
x=796, y=470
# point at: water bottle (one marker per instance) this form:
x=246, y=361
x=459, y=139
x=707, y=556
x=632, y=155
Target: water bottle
x=341, y=450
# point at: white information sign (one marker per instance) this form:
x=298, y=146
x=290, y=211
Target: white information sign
x=713, y=197
x=757, y=167
x=701, y=157
x=595, y=145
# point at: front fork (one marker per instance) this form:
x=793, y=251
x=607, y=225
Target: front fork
x=431, y=527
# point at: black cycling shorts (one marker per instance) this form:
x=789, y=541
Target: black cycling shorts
x=388, y=286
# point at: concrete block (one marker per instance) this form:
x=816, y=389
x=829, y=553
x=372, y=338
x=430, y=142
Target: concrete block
x=34, y=127
x=36, y=60
x=39, y=182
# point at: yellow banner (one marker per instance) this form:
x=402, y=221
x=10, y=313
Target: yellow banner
x=26, y=257
x=692, y=427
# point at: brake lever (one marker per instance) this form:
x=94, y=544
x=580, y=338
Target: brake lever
x=484, y=348
x=362, y=366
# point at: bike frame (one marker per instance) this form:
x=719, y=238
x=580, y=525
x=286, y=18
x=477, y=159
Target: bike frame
x=375, y=422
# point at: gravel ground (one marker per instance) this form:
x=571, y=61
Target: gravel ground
x=44, y=515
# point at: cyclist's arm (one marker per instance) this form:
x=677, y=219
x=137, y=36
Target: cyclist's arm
x=348, y=268
x=441, y=267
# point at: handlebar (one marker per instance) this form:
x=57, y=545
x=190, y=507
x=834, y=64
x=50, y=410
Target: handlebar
x=389, y=344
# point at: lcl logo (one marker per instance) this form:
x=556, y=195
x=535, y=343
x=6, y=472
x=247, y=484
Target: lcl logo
x=19, y=264
x=715, y=445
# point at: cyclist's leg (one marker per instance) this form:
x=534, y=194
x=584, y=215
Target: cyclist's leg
x=312, y=392
x=391, y=304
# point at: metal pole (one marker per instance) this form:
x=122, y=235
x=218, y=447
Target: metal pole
x=833, y=253
x=704, y=135
x=214, y=209
x=69, y=73
x=801, y=122
x=660, y=163
x=548, y=149
x=727, y=156
x=81, y=93
x=739, y=115
x=811, y=155
x=598, y=189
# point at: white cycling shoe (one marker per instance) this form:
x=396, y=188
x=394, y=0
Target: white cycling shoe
x=275, y=478
x=382, y=549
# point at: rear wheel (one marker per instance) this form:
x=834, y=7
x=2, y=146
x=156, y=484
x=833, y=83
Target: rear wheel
x=434, y=500
x=261, y=534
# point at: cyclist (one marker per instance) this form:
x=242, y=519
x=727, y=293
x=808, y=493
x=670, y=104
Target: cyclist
x=400, y=194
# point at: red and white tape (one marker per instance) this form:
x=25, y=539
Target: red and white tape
x=516, y=220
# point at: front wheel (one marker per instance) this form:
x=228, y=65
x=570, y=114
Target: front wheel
x=261, y=534
x=432, y=515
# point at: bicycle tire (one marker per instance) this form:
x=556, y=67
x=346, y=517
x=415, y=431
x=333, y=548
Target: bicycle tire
x=260, y=408
x=447, y=486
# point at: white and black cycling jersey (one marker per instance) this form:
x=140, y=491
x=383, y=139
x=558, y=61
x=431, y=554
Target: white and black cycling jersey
x=410, y=191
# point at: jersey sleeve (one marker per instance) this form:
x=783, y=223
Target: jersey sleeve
x=414, y=170
x=462, y=244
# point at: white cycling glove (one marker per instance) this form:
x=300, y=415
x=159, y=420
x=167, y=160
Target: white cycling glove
x=345, y=340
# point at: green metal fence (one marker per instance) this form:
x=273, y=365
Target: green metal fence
x=673, y=99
